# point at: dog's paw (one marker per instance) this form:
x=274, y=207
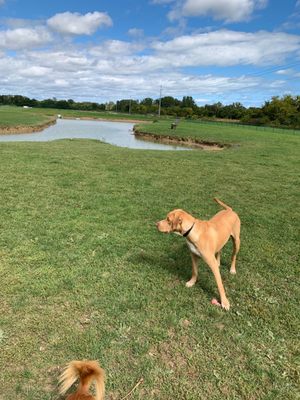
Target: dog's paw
x=190, y=283
x=215, y=302
x=233, y=271
x=225, y=304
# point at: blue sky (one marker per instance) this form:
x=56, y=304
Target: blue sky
x=213, y=50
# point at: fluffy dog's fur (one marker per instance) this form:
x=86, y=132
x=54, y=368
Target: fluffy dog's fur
x=87, y=372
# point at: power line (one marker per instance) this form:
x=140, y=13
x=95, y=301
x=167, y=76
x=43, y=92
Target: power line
x=262, y=73
x=272, y=69
x=159, y=102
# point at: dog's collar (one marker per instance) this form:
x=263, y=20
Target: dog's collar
x=188, y=231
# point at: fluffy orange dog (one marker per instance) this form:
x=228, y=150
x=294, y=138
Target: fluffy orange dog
x=87, y=372
x=206, y=239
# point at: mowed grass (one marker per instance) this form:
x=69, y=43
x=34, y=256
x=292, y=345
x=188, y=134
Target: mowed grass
x=93, y=114
x=17, y=116
x=85, y=273
x=218, y=132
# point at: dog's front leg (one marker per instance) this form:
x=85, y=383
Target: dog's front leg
x=218, y=257
x=214, y=266
x=194, y=277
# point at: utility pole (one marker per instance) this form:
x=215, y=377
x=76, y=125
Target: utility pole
x=159, y=102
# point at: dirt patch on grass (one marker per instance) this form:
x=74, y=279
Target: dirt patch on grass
x=166, y=139
x=18, y=129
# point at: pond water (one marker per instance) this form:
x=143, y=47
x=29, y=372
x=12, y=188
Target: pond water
x=116, y=133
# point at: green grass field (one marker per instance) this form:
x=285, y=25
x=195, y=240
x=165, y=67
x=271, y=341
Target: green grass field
x=222, y=133
x=91, y=114
x=85, y=274
x=18, y=116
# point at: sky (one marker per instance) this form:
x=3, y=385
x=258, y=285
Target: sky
x=104, y=50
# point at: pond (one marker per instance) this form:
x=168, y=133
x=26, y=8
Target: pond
x=116, y=133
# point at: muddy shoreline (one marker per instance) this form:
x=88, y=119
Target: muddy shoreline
x=19, y=129
x=200, y=144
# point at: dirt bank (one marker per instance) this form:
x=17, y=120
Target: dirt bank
x=200, y=144
x=18, y=129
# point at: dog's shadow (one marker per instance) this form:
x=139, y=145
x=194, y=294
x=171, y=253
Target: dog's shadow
x=177, y=261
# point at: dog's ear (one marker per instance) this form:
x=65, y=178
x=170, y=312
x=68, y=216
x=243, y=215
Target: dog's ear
x=176, y=223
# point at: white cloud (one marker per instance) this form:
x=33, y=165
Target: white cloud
x=42, y=75
x=35, y=71
x=135, y=32
x=201, y=101
x=220, y=48
x=61, y=62
x=277, y=84
x=78, y=24
x=115, y=48
x=227, y=10
x=62, y=83
x=14, y=23
x=225, y=48
x=118, y=69
x=287, y=71
x=24, y=38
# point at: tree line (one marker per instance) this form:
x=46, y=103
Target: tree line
x=278, y=112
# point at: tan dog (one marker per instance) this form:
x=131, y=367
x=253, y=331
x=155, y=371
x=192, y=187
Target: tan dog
x=86, y=372
x=206, y=240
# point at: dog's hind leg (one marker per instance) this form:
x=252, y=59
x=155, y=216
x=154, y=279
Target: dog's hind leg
x=235, y=236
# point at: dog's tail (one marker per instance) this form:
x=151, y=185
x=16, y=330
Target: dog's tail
x=222, y=204
x=87, y=372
